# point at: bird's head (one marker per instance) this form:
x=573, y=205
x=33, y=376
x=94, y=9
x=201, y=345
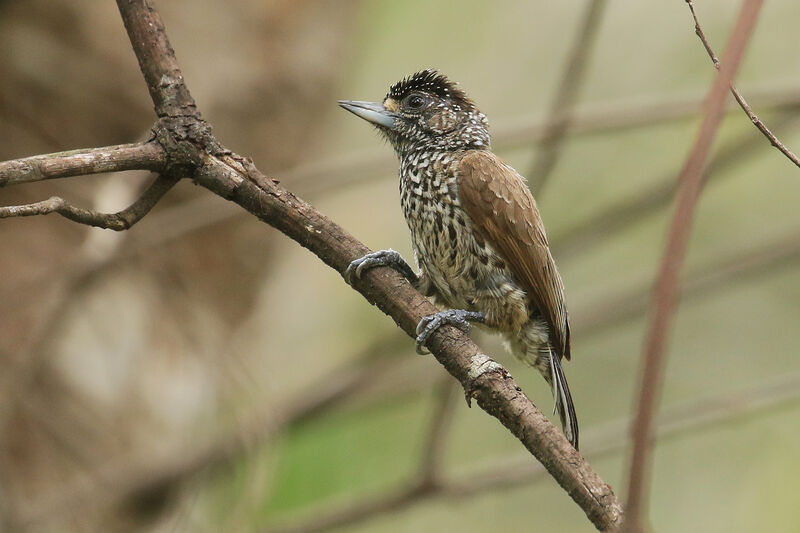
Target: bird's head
x=425, y=111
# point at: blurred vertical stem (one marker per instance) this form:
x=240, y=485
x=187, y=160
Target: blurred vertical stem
x=559, y=117
x=665, y=295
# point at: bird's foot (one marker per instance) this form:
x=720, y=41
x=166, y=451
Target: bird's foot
x=376, y=259
x=455, y=317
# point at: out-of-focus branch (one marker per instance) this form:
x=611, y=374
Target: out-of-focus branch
x=665, y=295
x=432, y=454
x=427, y=483
x=757, y=259
x=585, y=234
x=560, y=113
x=738, y=96
x=678, y=421
x=134, y=478
x=140, y=156
x=18, y=375
x=119, y=221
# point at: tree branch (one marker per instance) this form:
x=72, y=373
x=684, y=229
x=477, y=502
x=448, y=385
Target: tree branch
x=157, y=59
x=139, y=156
x=665, y=294
x=432, y=454
x=118, y=221
x=559, y=117
x=495, y=390
x=738, y=96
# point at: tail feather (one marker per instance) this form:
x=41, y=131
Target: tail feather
x=563, y=400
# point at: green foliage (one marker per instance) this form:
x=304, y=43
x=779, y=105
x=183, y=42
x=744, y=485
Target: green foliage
x=348, y=454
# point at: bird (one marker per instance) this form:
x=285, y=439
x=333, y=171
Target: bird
x=477, y=235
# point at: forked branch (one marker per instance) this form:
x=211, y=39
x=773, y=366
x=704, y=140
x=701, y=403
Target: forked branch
x=118, y=221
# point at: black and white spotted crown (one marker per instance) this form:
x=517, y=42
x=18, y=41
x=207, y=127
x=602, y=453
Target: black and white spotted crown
x=432, y=82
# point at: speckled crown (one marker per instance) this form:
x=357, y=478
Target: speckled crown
x=432, y=82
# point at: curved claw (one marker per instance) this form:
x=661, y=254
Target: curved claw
x=454, y=317
x=421, y=336
x=375, y=259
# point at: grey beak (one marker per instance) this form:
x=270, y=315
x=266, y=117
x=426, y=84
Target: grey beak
x=370, y=111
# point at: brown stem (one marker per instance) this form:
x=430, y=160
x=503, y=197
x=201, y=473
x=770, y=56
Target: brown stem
x=156, y=59
x=560, y=114
x=433, y=452
x=665, y=294
x=140, y=156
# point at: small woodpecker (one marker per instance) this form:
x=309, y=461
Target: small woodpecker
x=477, y=235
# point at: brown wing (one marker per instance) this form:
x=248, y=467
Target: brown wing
x=502, y=208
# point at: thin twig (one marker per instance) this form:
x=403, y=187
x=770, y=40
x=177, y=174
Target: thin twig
x=665, y=294
x=119, y=221
x=560, y=113
x=738, y=96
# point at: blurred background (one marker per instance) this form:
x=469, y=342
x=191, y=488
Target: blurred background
x=201, y=372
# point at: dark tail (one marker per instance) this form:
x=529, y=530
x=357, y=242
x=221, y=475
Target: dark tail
x=563, y=400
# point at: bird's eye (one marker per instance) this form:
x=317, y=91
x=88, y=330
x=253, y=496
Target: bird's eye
x=415, y=101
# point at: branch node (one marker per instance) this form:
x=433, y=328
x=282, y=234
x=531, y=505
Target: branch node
x=480, y=365
x=183, y=138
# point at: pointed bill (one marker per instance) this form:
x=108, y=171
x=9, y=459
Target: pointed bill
x=370, y=111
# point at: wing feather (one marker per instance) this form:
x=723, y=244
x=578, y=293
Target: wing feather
x=504, y=213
